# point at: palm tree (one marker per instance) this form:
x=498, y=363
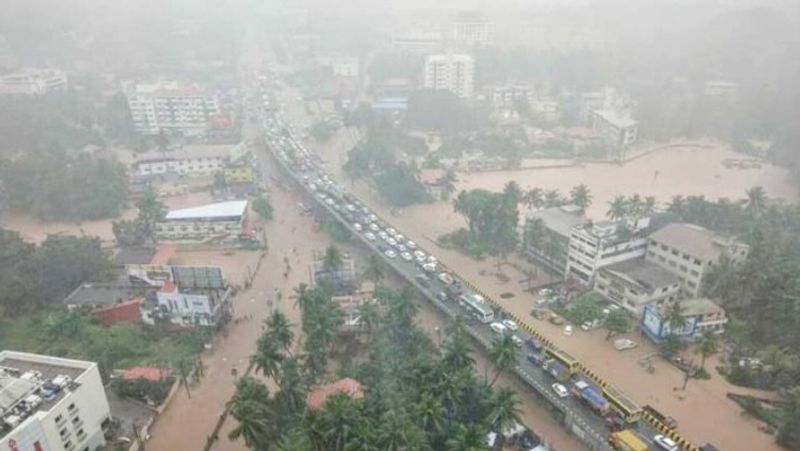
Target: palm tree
x=617, y=208
x=552, y=198
x=332, y=260
x=674, y=317
x=505, y=411
x=268, y=357
x=533, y=198
x=635, y=205
x=151, y=211
x=457, y=352
x=295, y=440
x=649, y=205
x=375, y=270
x=399, y=433
x=280, y=329
x=292, y=392
x=503, y=355
x=338, y=421
x=756, y=200
x=512, y=193
x=706, y=346
x=448, y=183
x=369, y=316
x=677, y=205
x=250, y=406
x=581, y=196
x=468, y=437
x=429, y=412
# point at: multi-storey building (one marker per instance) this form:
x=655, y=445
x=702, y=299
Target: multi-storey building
x=453, y=72
x=172, y=107
x=33, y=82
x=617, y=130
x=688, y=251
x=699, y=316
x=419, y=42
x=50, y=403
x=188, y=160
x=472, y=30
x=632, y=284
x=597, y=245
x=546, y=234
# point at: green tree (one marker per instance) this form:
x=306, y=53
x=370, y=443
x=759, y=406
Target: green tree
x=533, y=198
x=375, y=270
x=706, y=346
x=251, y=408
x=505, y=410
x=616, y=322
x=467, y=437
x=504, y=354
x=263, y=207
x=671, y=346
x=279, y=329
x=617, y=208
x=756, y=200
x=268, y=357
x=151, y=211
x=673, y=317
x=552, y=198
x=448, y=182
x=512, y=193
x=789, y=431
x=333, y=260
x=581, y=196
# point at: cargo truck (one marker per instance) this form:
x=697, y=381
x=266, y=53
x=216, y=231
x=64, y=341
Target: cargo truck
x=627, y=440
x=592, y=396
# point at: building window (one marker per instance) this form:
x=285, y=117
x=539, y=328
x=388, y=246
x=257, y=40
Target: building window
x=673, y=264
x=691, y=284
x=664, y=247
x=694, y=273
x=697, y=262
x=662, y=259
x=684, y=268
x=675, y=252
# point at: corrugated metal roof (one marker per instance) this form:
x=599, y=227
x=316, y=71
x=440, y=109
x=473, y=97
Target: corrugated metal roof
x=217, y=210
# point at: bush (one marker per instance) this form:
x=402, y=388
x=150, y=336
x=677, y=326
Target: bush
x=465, y=242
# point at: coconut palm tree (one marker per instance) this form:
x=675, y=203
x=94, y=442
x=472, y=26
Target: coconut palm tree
x=552, y=198
x=512, y=193
x=581, y=196
x=398, y=433
x=280, y=329
x=533, y=198
x=295, y=440
x=333, y=260
x=503, y=355
x=677, y=205
x=429, y=412
x=468, y=437
x=457, y=352
x=635, y=206
x=369, y=316
x=674, y=317
x=448, y=183
x=649, y=205
x=756, y=200
x=339, y=421
x=617, y=208
x=251, y=407
x=505, y=410
x=292, y=393
x=706, y=346
x=268, y=357
x=151, y=211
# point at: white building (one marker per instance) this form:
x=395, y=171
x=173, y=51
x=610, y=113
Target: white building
x=453, y=72
x=341, y=66
x=617, y=129
x=472, y=30
x=188, y=160
x=204, y=222
x=421, y=42
x=187, y=307
x=506, y=95
x=632, y=284
x=688, y=251
x=170, y=106
x=597, y=245
x=33, y=82
x=50, y=403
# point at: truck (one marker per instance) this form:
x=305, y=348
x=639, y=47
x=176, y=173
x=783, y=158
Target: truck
x=592, y=396
x=556, y=369
x=627, y=440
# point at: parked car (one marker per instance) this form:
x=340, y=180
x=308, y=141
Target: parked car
x=568, y=330
x=666, y=443
x=429, y=267
x=560, y=390
x=517, y=341
x=510, y=324
x=370, y=236
x=406, y=256
x=423, y=279
x=390, y=253
x=498, y=328
x=411, y=245
x=545, y=292
x=358, y=227
x=622, y=344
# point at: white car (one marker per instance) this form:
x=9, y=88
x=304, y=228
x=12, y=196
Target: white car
x=498, y=328
x=432, y=259
x=421, y=260
x=429, y=267
x=406, y=256
x=392, y=242
x=372, y=217
x=391, y=231
x=560, y=390
x=665, y=443
x=358, y=227
x=402, y=248
x=510, y=324
x=374, y=227
x=568, y=330
x=383, y=235
x=400, y=238
x=545, y=292
x=411, y=245
x=390, y=253
x=420, y=255
x=351, y=207
x=370, y=236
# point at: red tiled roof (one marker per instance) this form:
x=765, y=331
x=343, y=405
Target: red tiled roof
x=168, y=287
x=317, y=397
x=123, y=312
x=162, y=255
x=146, y=372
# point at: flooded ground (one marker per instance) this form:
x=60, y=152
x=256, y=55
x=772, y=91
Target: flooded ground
x=702, y=410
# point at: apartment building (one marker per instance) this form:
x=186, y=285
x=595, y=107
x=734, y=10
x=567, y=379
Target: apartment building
x=472, y=30
x=546, y=235
x=506, y=95
x=418, y=42
x=700, y=315
x=172, y=107
x=688, y=251
x=33, y=82
x=601, y=244
x=617, y=129
x=633, y=284
x=452, y=72
x=50, y=403
x=195, y=160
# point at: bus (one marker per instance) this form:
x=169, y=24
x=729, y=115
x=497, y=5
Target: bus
x=565, y=359
x=478, y=306
x=629, y=410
